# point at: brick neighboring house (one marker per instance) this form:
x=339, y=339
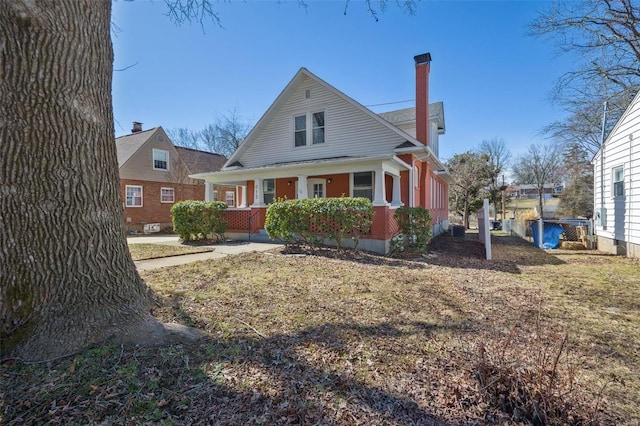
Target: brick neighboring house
x=154, y=175
x=315, y=141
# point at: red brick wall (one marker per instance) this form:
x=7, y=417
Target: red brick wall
x=152, y=210
x=384, y=225
x=284, y=190
x=422, y=103
x=237, y=220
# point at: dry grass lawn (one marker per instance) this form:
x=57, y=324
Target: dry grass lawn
x=533, y=337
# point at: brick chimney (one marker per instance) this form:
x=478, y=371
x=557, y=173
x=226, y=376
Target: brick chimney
x=423, y=63
x=137, y=127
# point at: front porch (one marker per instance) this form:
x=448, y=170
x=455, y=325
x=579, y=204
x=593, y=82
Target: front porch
x=389, y=182
x=247, y=224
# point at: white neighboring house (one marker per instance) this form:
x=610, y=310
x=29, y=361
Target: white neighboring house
x=617, y=186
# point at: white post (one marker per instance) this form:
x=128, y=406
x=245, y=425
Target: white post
x=303, y=192
x=540, y=233
x=396, y=201
x=243, y=189
x=379, y=189
x=259, y=193
x=208, y=191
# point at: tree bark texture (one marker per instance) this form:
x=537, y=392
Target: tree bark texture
x=67, y=279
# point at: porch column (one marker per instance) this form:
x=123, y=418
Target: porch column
x=379, y=188
x=259, y=194
x=303, y=192
x=243, y=192
x=396, y=201
x=208, y=191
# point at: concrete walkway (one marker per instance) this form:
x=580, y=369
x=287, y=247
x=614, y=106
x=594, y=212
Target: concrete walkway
x=220, y=251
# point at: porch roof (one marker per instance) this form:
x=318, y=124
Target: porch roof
x=333, y=165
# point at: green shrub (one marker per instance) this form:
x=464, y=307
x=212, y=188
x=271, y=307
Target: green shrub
x=198, y=220
x=312, y=220
x=415, y=228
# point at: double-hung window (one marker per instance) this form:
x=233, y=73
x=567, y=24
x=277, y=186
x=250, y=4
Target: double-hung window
x=301, y=130
x=134, y=196
x=618, y=181
x=318, y=127
x=160, y=159
x=309, y=127
x=269, y=190
x=167, y=195
x=230, y=198
x=363, y=185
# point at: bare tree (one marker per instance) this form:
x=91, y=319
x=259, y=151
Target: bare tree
x=232, y=129
x=472, y=173
x=603, y=36
x=223, y=137
x=540, y=166
x=182, y=136
x=577, y=197
x=495, y=149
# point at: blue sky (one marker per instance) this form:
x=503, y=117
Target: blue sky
x=493, y=79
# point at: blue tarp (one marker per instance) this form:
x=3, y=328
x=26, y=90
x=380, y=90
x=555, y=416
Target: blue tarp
x=550, y=235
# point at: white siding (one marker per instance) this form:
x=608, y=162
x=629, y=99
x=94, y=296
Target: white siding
x=622, y=149
x=348, y=130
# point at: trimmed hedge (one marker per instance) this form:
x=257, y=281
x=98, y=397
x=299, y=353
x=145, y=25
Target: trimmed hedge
x=312, y=220
x=415, y=229
x=198, y=220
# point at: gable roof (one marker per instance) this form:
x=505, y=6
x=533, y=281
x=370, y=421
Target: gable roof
x=286, y=94
x=619, y=123
x=201, y=161
x=128, y=145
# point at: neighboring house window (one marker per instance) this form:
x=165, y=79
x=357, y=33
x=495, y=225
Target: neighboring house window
x=167, y=195
x=301, y=130
x=134, y=196
x=309, y=127
x=363, y=185
x=618, y=181
x=160, y=159
x=269, y=190
x=215, y=195
x=318, y=127
x=230, y=198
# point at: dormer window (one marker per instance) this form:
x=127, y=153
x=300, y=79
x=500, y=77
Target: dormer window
x=160, y=159
x=301, y=130
x=318, y=127
x=309, y=127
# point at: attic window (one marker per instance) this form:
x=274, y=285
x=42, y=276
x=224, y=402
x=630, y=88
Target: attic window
x=309, y=127
x=160, y=159
x=301, y=130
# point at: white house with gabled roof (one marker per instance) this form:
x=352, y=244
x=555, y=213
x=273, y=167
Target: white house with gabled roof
x=617, y=186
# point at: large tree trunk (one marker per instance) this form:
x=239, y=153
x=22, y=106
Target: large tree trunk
x=67, y=279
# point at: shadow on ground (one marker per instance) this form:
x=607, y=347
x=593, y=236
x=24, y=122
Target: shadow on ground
x=508, y=253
